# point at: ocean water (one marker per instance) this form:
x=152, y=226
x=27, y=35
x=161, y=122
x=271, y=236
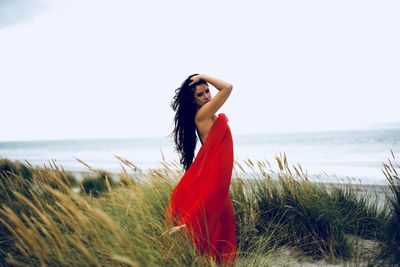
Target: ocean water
x=335, y=156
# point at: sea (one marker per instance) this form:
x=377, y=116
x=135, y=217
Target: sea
x=330, y=156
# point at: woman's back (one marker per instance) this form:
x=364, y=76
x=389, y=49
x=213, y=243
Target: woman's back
x=204, y=127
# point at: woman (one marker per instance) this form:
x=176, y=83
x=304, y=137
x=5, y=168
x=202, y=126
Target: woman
x=200, y=202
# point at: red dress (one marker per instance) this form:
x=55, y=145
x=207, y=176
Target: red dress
x=201, y=198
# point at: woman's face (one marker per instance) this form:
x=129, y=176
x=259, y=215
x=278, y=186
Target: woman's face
x=202, y=94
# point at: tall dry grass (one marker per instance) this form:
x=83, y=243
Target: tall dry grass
x=285, y=208
x=43, y=221
x=293, y=211
x=390, y=249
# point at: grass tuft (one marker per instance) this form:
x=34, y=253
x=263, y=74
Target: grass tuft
x=390, y=249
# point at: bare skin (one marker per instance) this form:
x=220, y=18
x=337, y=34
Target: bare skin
x=207, y=106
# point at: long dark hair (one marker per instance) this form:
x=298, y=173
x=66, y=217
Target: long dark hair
x=185, y=127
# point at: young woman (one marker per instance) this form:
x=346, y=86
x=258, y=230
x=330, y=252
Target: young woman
x=200, y=202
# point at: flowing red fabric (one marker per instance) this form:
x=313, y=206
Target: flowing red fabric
x=201, y=198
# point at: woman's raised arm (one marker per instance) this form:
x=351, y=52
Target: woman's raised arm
x=210, y=108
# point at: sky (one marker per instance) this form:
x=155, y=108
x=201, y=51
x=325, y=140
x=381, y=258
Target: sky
x=72, y=69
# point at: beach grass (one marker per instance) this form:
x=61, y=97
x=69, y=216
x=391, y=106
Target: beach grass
x=47, y=217
x=390, y=249
x=314, y=217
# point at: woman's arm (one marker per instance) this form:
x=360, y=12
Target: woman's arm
x=209, y=109
x=217, y=83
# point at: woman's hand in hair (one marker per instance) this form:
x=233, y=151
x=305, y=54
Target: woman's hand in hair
x=195, y=79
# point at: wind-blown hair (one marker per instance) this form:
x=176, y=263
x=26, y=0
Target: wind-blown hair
x=185, y=127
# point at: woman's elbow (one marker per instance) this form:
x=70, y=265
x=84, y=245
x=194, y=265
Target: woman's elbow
x=229, y=87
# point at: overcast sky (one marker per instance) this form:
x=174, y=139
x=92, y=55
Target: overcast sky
x=104, y=69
